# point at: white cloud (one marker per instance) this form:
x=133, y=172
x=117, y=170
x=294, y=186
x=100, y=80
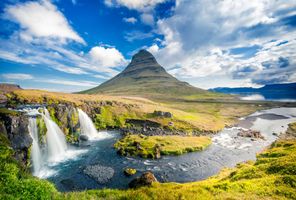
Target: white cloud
x=147, y=18
x=131, y=20
x=41, y=20
x=71, y=83
x=199, y=35
x=137, y=35
x=106, y=57
x=17, y=76
x=134, y=4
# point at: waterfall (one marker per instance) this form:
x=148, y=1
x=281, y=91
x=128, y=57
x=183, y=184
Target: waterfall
x=86, y=125
x=36, y=151
x=55, y=139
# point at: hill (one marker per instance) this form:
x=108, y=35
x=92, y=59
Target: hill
x=146, y=78
x=273, y=91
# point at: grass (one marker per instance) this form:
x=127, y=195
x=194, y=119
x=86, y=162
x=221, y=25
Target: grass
x=188, y=115
x=168, y=145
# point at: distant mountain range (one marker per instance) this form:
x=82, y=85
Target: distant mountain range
x=145, y=77
x=273, y=91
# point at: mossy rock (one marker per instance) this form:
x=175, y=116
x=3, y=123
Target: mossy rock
x=130, y=171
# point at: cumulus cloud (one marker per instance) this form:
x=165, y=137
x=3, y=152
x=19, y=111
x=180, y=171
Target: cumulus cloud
x=44, y=37
x=147, y=18
x=133, y=4
x=17, y=76
x=130, y=20
x=199, y=36
x=106, y=57
x=41, y=19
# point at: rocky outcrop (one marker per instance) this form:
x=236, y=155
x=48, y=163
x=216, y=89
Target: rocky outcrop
x=14, y=126
x=162, y=114
x=145, y=179
x=99, y=173
x=251, y=134
x=66, y=116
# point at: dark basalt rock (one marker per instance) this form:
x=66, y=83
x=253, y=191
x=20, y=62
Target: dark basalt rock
x=145, y=179
x=101, y=174
x=251, y=134
x=83, y=138
x=15, y=128
x=163, y=114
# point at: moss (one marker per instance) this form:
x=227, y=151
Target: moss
x=130, y=171
x=15, y=183
x=146, y=147
x=5, y=111
x=41, y=129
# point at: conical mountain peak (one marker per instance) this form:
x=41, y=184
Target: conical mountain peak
x=141, y=60
x=145, y=77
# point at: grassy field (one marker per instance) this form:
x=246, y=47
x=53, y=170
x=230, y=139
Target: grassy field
x=187, y=115
x=168, y=145
x=271, y=176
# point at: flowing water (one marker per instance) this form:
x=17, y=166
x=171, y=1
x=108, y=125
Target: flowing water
x=86, y=125
x=56, y=145
x=35, y=151
x=226, y=151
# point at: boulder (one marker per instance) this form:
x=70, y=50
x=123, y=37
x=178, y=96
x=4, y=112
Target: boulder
x=130, y=171
x=163, y=114
x=251, y=134
x=145, y=179
x=101, y=174
x=83, y=138
x=157, y=151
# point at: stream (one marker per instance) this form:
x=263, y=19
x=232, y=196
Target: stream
x=226, y=150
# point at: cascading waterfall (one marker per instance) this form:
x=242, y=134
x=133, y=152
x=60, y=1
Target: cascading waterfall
x=55, y=139
x=36, y=151
x=86, y=125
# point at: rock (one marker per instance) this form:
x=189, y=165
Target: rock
x=250, y=133
x=101, y=174
x=130, y=171
x=83, y=138
x=145, y=179
x=15, y=128
x=163, y=114
x=275, y=134
x=157, y=151
x=69, y=184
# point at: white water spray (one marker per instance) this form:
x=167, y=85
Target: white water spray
x=55, y=139
x=86, y=125
x=36, y=151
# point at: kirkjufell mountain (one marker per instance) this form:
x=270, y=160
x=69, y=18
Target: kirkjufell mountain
x=145, y=77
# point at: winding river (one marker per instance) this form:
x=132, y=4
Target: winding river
x=226, y=151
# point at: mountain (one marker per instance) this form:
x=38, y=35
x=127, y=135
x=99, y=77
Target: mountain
x=145, y=77
x=8, y=87
x=272, y=91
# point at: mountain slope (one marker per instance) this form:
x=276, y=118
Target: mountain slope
x=273, y=91
x=145, y=77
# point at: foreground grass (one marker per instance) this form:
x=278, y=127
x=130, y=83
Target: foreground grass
x=146, y=146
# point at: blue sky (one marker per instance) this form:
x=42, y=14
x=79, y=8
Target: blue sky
x=72, y=45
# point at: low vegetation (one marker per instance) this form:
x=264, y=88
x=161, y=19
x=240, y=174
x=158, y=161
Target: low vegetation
x=150, y=146
x=187, y=115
